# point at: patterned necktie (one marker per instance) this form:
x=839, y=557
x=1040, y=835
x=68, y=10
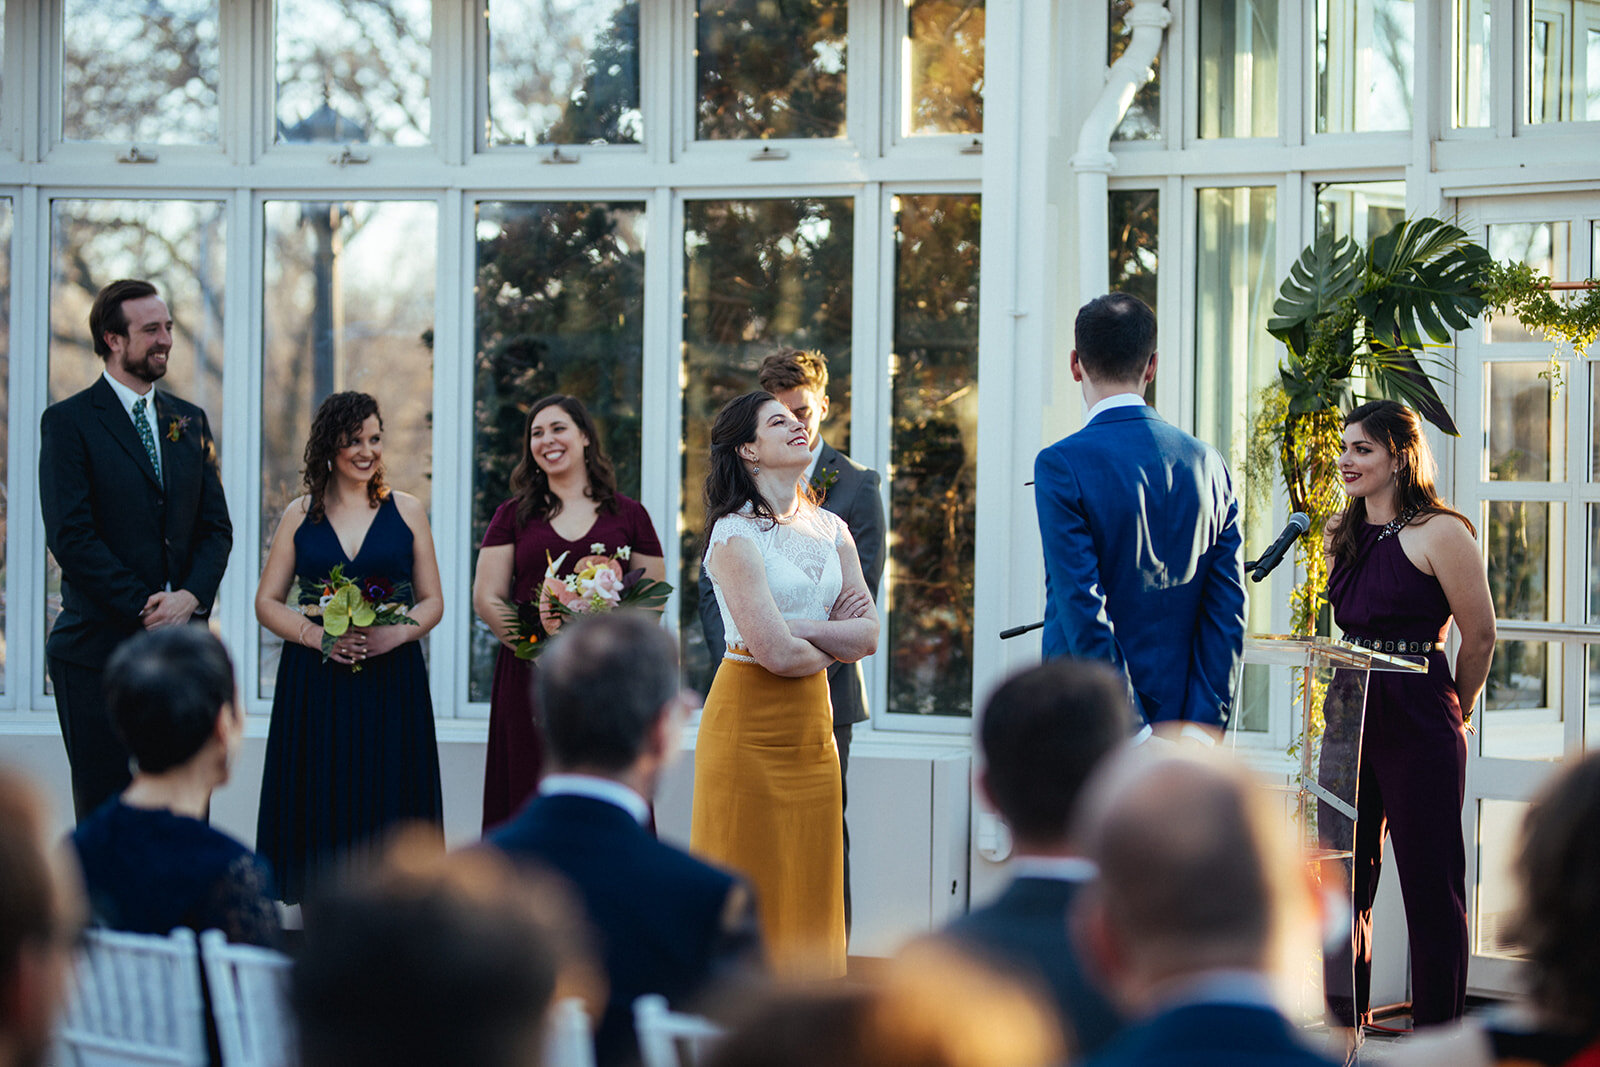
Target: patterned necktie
x=146, y=435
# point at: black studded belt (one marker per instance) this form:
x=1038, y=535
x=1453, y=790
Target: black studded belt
x=1405, y=648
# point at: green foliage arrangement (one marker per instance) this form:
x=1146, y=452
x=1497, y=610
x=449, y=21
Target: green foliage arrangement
x=1570, y=323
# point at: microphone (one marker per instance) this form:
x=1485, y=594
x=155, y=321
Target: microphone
x=1299, y=523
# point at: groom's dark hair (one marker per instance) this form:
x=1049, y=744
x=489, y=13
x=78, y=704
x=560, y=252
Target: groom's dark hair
x=602, y=686
x=107, y=316
x=1115, y=336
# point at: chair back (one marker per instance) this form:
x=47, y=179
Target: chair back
x=250, y=1002
x=568, y=1038
x=134, y=1000
x=669, y=1038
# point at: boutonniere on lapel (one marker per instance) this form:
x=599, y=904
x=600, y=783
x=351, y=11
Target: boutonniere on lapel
x=176, y=426
x=822, y=481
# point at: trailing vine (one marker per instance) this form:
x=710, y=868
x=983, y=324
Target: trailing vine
x=1570, y=323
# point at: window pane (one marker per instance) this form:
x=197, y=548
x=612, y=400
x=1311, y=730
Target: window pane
x=1525, y=555
x=140, y=70
x=1542, y=246
x=175, y=244
x=5, y=411
x=1594, y=422
x=1236, y=282
x=934, y=454
x=943, y=50
x=1591, y=719
x=1474, y=38
x=564, y=72
x=1593, y=613
x=1522, y=713
x=354, y=71
x=769, y=70
x=1135, y=243
x=347, y=303
x=1499, y=838
x=560, y=309
x=1527, y=423
x=1238, y=68
x=1563, y=61
x=757, y=274
x=1360, y=211
x=1364, y=61
x=1143, y=119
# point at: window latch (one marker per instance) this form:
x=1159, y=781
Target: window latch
x=135, y=154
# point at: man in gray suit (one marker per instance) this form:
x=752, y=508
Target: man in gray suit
x=800, y=381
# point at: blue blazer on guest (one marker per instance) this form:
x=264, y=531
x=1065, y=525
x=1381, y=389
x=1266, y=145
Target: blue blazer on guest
x=1144, y=563
x=1024, y=932
x=666, y=922
x=1212, y=1035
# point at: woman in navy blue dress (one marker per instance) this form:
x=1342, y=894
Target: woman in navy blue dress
x=351, y=748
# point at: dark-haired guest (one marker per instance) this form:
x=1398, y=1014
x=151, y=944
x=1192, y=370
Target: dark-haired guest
x=150, y=861
x=564, y=502
x=667, y=923
x=351, y=750
x=431, y=959
x=1043, y=732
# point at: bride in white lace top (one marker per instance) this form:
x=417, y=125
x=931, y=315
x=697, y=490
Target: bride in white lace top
x=793, y=600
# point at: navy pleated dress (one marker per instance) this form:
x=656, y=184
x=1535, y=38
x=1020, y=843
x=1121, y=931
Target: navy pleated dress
x=349, y=753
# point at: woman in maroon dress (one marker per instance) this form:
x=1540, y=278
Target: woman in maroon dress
x=1403, y=565
x=564, y=500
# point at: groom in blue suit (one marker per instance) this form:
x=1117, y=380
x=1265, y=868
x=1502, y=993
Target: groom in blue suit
x=1144, y=564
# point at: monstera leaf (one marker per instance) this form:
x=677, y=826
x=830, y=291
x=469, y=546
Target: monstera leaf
x=1326, y=272
x=1424, y=280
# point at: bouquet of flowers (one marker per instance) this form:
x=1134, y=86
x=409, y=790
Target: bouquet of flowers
x=598, y=583
x=345, y=602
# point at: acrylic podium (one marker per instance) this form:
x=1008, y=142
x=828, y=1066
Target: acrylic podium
x=1328, y=676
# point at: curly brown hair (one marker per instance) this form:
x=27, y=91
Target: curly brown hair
x=530, y=486
x=794, y=368
x=336, y=424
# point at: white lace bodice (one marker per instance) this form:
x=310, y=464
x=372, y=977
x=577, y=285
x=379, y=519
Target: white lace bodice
x=802, y=561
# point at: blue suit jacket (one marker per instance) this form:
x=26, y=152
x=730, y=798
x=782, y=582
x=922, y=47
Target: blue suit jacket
x=666, y=922
x=1212, y=1035
x=1024, y=931
x=1144, y=564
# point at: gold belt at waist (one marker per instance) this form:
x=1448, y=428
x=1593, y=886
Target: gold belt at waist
x=739, y=651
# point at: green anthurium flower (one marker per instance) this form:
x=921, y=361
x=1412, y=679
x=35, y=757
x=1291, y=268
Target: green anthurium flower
x=337, y=616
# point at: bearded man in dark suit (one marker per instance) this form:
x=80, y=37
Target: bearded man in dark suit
x=134, y=513
x=799, y=381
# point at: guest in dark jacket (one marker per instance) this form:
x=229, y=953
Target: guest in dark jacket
x=1042, y=733
x=150, y=861
x=665, y=922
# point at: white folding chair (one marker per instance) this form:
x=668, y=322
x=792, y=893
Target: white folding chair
x=568, y=1038
x=669, y=1038
x=135, y=1000
x=250, y=1002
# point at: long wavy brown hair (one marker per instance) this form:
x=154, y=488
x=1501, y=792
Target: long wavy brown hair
x=1399, y=430
x=530, y=486
x=729, y=484
x=336, y=424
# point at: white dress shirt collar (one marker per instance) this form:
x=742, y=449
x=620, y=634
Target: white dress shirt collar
x=1115, y=400
x=595, y=788
x=128, y=396
x=1054, y=868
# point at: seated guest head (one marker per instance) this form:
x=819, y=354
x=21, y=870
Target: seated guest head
x=430, y=959
x=1558, y=921
x=171, y=696
x=611, y=701
x=1114, y=342
x=1042, y=733
x=41, y=911
x=1198, y=874
x=927, y=1008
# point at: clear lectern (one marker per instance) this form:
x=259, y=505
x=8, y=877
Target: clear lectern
x=1329, y=676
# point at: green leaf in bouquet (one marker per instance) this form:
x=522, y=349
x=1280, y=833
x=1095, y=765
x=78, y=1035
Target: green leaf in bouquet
x=649, y=594
x=336, y=617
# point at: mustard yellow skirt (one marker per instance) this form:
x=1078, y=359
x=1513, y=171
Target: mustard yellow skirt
x=767, y=804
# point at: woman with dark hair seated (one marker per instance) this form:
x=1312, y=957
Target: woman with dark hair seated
x=150, y=861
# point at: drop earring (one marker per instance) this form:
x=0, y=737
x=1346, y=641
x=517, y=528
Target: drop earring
x=756, y=469
x=330, y=464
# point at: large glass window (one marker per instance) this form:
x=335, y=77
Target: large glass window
x=560, y=309
x=943, y=50
x=1563, y=60
x=1473, y=51
x=1135, y=243
x=1238, y=89
x=1361, y=211
x=757, y=274
x=354, y=71
x=563, y=72
x=1236, y=279
x=1143, y=119
x=140, y=70
x=347, y=303
x=175, y=244
x=1499, y=837
x=1365, y=55
x=768, y=70
x=5, y=416
x=934, y=454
